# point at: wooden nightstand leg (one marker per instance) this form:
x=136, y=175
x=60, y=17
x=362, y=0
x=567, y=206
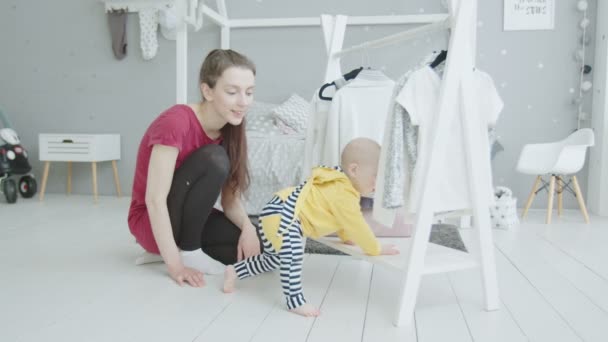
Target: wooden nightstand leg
x=116, y=179
x=69, y=185
x=94, y=169
x=45, y=177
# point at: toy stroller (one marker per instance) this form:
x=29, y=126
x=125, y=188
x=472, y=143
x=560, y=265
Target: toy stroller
x=13, y=161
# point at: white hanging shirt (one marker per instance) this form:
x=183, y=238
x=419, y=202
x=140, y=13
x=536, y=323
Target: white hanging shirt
x=358, y=109
x=420, y=97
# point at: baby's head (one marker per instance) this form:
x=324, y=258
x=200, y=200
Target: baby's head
x=359, y=161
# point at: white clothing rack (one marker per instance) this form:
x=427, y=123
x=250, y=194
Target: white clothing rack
x=424, y=258
x=463, y=17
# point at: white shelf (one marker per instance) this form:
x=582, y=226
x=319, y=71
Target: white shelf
x=136, y=5
x=438, y=258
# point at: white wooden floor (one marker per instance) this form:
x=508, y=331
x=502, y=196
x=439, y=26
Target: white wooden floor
x=67, y=274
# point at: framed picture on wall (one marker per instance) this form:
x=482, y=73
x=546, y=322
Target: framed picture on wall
x=529, y=15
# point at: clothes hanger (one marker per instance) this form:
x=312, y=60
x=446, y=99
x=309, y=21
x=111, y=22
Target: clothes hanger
x=347, y=77
x=440, y=58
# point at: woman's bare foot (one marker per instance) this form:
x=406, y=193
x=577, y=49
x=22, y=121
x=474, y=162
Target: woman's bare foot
x=306, y=310
x=229, y=279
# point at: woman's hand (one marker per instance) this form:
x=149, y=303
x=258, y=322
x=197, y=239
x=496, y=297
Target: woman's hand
x=249, y=244
x=188, y=275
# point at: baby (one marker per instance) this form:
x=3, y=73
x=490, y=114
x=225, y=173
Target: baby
x=326, y=203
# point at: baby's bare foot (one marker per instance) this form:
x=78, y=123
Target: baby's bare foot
x=229, y=279
x=306, y=310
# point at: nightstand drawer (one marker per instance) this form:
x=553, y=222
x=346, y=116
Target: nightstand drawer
x=79, y=147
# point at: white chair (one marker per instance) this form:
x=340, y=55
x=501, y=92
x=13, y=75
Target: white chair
x=557, y=160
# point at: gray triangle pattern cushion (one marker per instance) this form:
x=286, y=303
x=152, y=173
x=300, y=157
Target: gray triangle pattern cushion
x=260, y=119
x=293, y=113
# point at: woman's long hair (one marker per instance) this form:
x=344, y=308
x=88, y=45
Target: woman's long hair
x=234, y=140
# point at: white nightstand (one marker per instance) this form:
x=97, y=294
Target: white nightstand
x=70, y=148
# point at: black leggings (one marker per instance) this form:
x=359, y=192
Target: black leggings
x=195, y=188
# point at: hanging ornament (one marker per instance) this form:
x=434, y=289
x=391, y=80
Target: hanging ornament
x=586, y=86
x=582, y=5
x=584, y=23
x=587, y=69
x=585, y=40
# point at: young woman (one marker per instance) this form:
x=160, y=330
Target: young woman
x=187, y=157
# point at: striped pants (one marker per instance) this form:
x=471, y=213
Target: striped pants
x=289, y=259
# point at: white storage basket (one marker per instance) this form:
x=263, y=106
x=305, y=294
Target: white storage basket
x=504, y=212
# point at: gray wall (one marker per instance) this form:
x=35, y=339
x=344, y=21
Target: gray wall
x=58, y=73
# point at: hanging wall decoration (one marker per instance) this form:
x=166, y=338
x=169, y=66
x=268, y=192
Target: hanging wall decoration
x=582, y=68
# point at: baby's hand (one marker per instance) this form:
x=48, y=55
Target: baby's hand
x=348, y=242
x=389, y=250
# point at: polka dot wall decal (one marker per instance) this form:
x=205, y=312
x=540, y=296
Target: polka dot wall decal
x=503, y=85
x=480, y=23
x=541, y=65
x=571, y=90
x=503, y=52
x=365, y=28
x=421, y=10
x=529, y=106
